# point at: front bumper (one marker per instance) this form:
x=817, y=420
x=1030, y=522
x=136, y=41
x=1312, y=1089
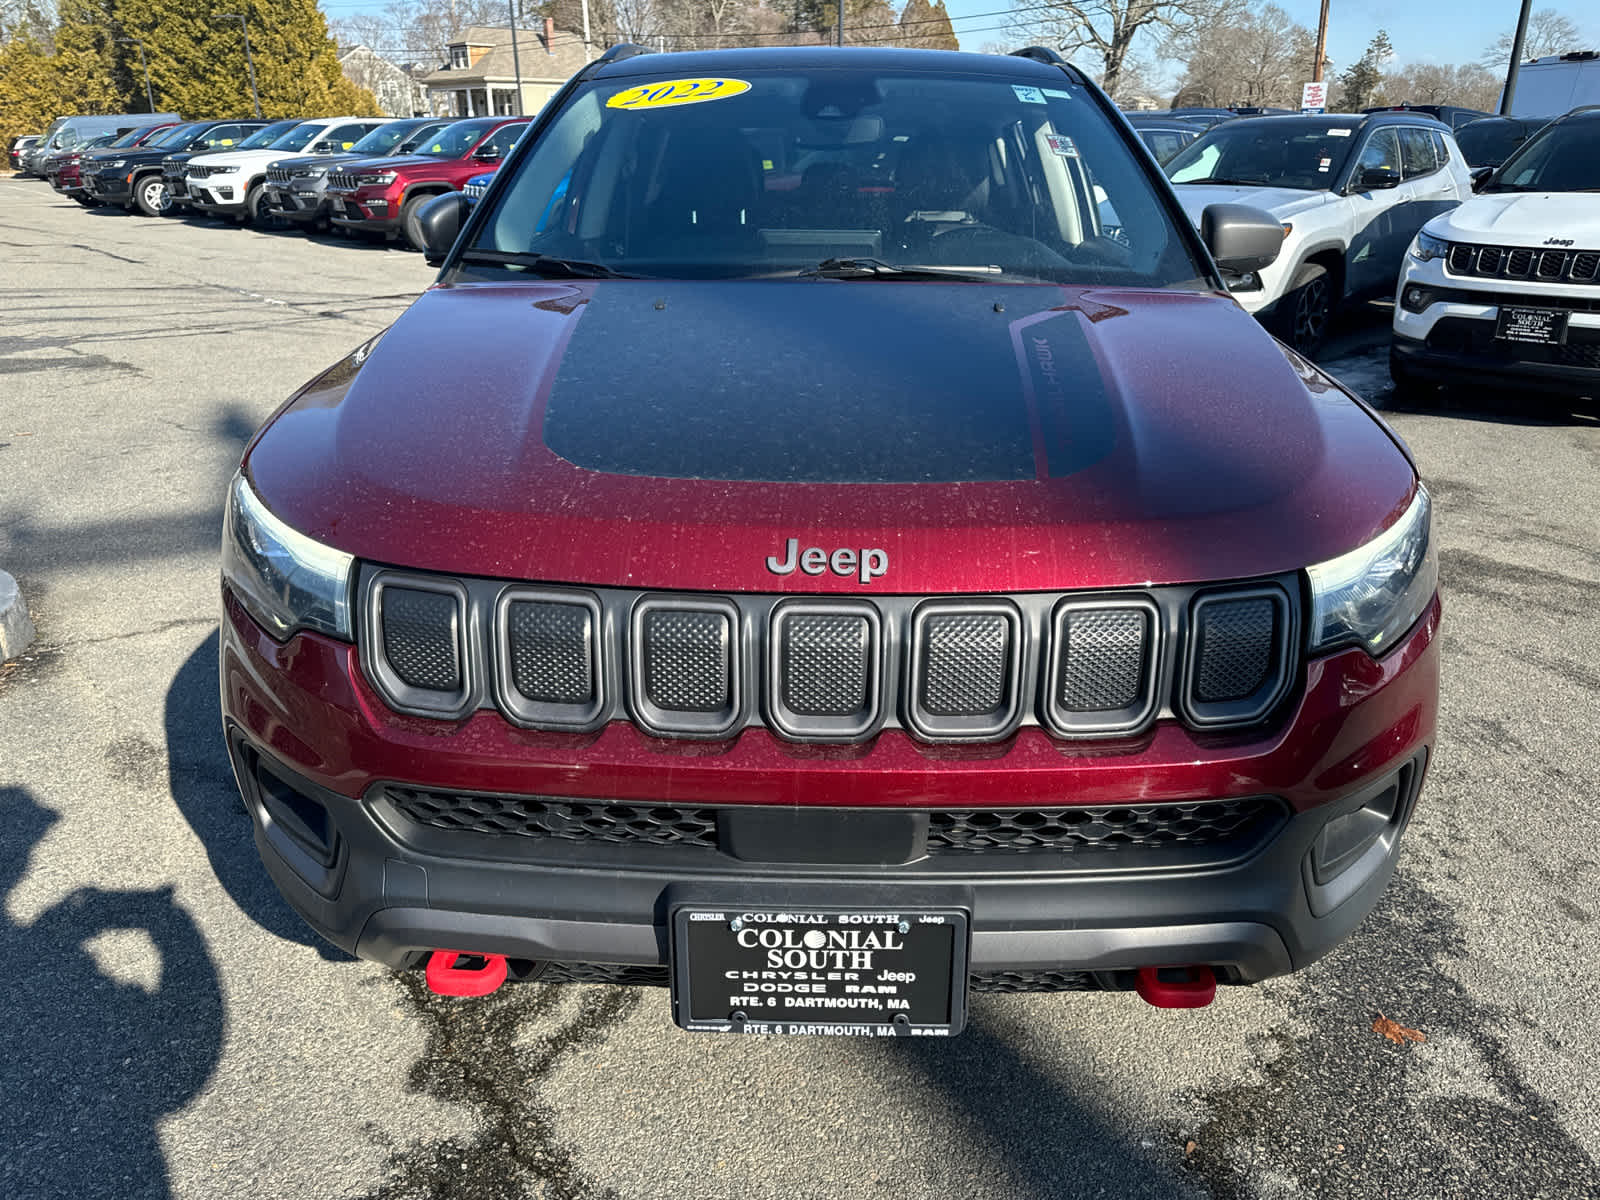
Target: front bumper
x=108, y=185
x=375, y=213
x=215, y=194
x=1452, y=339
x=301, y=204
x=314, y=748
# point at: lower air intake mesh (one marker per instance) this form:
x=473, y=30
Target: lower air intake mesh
x=1234, y=651
x=967, y=658
x=420, y=638
x=824, y=664
x=552, y=651
x=1102, y=659
x=687, y=660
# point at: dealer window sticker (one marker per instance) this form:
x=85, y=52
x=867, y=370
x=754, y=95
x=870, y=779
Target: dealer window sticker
x=1338, y=133
x=1028, y=95
x=1061, y=144
x=1058, y=93
x=670, y=93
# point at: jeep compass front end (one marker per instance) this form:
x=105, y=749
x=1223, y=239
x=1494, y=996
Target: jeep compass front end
x=844, y=576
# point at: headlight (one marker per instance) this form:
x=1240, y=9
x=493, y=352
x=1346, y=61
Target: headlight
x=223, y=170
x=286, y=580
x=382, y=179
x=1427, y=247
x=309, y=172
x=115, y=162
x=1374, y=594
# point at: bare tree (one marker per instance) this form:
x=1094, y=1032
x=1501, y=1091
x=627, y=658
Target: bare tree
x=1236, y=54
x=1471, y=86
x=1106, y=27
x=1549, y=32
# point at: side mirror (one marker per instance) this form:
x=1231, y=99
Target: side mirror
x=440, y=221
x=1480, y=176
x=1241, y=238
x=486, y=153
x=1377, y=179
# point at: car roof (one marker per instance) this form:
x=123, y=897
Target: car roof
x=689, y=63
x=1341, y=120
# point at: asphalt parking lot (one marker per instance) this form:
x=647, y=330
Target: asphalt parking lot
x=172, y=1030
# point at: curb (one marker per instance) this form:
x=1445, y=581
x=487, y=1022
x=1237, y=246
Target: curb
x=16, y=630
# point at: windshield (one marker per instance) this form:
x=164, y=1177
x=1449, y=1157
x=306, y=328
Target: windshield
x=178, y=135
x=262, y=138
x=299, y=137
x=418, y=136
x=456, y=139
x=1280, y=152
x=1490, y=143
x=1559, y=158
x=130, y=138
x=858, y=173
x=384, y=138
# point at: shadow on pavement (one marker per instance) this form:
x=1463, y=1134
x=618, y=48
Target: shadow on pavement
x=90, y=1061
x=201, y=780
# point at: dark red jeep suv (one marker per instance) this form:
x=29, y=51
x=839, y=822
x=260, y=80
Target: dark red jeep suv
x=828, y=543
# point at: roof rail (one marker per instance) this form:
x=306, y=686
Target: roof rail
x=623, y=50
x=1040, y=54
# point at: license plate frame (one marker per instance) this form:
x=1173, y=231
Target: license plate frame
x=1531, y=326
x=930, y=944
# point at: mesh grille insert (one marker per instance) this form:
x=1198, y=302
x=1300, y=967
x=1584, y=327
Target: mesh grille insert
x=687, y=660
x=1235, y=648
x=420, y=638
x=965, y=664
x=1197, y=823
x=551, y=817
x=1102, y=657
x=824, y=663
x=552, y=651
x=1032, y=981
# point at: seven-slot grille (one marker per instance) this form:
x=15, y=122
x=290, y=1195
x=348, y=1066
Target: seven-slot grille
x=825, y=668
x=475, y=190
x=199, y=171
x=1521, y=262
x=279, y=174
x=344, y=181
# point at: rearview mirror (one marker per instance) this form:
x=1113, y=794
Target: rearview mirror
x=1377, y=179
x=1241, y=238
x=440, y=222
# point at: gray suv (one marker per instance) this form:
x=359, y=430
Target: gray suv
x=297, y=187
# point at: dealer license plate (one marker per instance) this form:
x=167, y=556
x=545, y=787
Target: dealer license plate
x=847, y=972
x=1541, y=326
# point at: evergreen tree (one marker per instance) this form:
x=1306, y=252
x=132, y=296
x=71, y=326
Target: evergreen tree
x=30, y=89
x=926, y=26
x=1360, y=81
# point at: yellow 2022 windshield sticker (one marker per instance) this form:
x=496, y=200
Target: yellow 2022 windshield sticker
x=671, y=92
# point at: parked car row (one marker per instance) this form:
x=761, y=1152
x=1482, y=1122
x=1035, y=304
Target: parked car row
x=358, y=174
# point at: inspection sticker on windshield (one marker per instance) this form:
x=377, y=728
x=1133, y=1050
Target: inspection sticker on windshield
x=671, y=92
x=1061, y=144
x=1057, y=94
x=1028, y=95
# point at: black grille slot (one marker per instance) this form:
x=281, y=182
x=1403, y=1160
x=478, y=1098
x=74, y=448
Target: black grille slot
x=824, y=664
x=1519, y=262
x=1585, y=266
x=422, y=637
x=1490, y=260
x=1461, y=259
x=687, y=660
x=1552, y=263
x=551, y=817
x=1235, y=648
x=1032, y=981
x=1102, y=656
x=552, y=651
x=967, y=658
x=1102, y=827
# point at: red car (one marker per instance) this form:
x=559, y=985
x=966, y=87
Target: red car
x=65, y=171
x=827, y=599
x=384, y=195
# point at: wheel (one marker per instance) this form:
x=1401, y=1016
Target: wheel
x=255, y=211
x=1306, y=310
x=411, y=221
x=150, y=194
x=1410, y=390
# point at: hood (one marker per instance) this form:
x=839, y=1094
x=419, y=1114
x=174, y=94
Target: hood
x=242, y=158
x=401, y=162
x=1524, y=219
x=316, y=160
x=676, y=434
x=1280, y=202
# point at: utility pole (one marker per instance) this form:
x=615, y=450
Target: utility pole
x=588, y=50
x=250, y=62
x=145, y=67
x=516, y=60
x=1510, y=89
x=839, y=28
x=1322, y=44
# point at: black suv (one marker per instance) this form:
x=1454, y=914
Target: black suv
x=135, y=180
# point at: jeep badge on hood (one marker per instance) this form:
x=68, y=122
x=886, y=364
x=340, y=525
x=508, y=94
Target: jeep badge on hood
x=814, y=560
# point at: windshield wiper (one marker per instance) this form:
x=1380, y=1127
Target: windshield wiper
x=545, y=264
x=876, y=268
x=1226, y=182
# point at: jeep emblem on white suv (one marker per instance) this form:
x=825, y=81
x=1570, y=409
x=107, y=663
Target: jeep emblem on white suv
x=814, y=560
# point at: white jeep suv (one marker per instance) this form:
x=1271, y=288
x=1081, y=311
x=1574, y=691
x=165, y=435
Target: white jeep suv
x=1506, y=288
x=1350, y=191
x=231, y=182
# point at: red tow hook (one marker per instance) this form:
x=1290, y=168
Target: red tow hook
x=1182, y=987
x=447, y=979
